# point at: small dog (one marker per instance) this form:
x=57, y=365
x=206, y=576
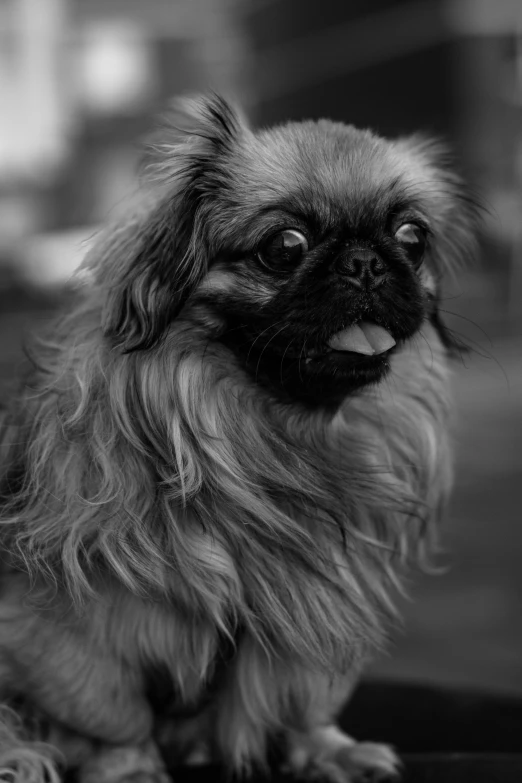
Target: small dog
x=227, y=453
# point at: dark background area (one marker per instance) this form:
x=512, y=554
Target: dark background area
x=80, y=83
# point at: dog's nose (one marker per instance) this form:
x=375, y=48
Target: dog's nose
x=362, y=269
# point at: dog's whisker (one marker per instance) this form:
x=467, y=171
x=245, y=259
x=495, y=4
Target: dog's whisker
x=283, y=358
x=420, y=333
x=265, y=346
x=271, y=326
x=301, y=354
x=468, y=320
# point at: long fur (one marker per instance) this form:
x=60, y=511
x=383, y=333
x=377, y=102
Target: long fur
x=158, y=506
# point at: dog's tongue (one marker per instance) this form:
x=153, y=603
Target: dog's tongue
x=364, y=337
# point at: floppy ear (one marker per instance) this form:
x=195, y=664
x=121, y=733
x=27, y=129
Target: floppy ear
x=148, y=267
x=455, y=217
x=454, y=209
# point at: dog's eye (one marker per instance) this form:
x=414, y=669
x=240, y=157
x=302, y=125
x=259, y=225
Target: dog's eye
x=283, y=250
x=413, y=238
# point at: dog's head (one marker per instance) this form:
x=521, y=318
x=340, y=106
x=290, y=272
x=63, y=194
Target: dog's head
x=310, y=250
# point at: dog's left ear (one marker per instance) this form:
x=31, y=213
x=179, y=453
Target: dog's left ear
x=455, y=211
x=148, y=267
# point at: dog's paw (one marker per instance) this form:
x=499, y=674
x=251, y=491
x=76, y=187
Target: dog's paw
x=326, y=754
x=367, y=761
x=124, y=765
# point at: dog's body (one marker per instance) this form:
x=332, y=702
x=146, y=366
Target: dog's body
x=227, y=523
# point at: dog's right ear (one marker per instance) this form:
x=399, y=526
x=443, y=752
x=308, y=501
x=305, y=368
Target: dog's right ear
x=148, y=267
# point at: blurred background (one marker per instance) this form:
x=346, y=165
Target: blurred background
x=80, y=83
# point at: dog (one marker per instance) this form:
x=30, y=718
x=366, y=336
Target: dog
x=227, y=453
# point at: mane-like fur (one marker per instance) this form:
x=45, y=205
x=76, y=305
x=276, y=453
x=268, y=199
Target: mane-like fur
x=186, y=484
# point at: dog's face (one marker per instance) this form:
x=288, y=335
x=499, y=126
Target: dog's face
x=311, y=251
x=323, y=278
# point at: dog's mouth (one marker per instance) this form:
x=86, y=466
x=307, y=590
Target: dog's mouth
x=364, y=338
x=319, y=370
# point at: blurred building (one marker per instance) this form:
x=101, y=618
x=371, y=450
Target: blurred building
x=81, y=80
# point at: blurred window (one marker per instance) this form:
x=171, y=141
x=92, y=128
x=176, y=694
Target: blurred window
x=116, y=69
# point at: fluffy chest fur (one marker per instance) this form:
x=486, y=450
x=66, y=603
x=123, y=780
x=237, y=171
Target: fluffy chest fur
x=296, y=530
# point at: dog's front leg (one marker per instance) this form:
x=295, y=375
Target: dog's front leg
x=108, y=722
x=267, y=697
x=95, y=709
x=317, y=748
x=94, y=694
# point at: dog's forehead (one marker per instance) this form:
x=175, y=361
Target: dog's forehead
x=337, y=165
